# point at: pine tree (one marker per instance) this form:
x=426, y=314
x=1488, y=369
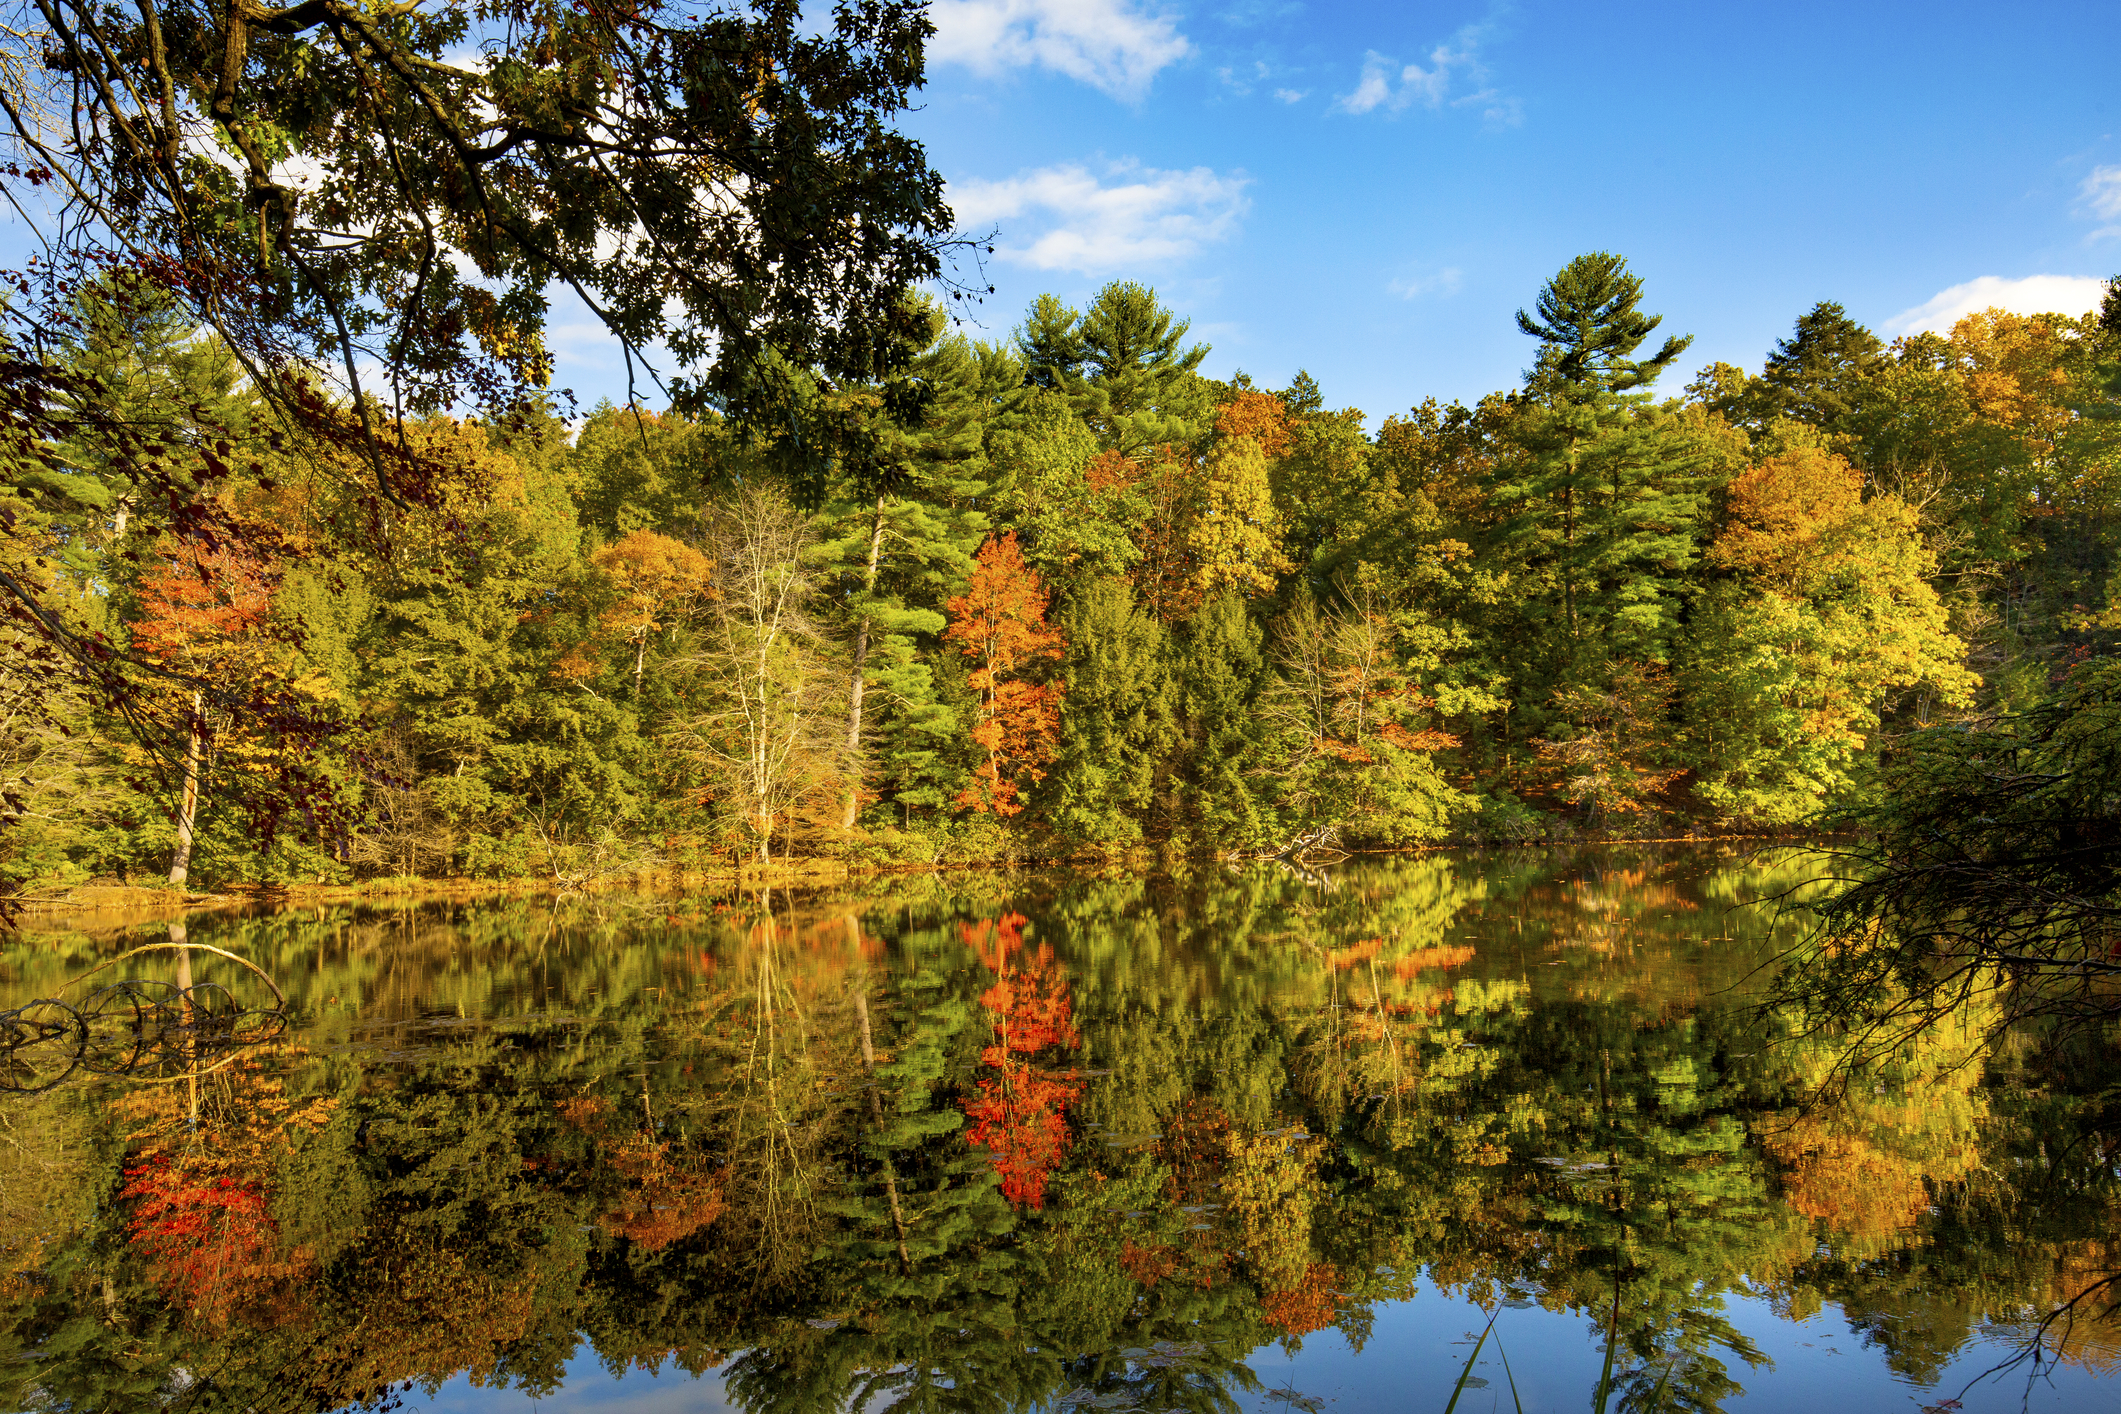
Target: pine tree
x=1074, y=508
x=1603, y=508
x=1588, y=323
x=897, y=555
x=1816, y=374
x=1122, y=367
x=1222, y=671
x=1117, y=721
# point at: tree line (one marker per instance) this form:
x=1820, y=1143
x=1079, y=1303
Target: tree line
x=1056, y=595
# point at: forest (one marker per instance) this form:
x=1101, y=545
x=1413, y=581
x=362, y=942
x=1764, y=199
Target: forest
x=312, y=574
x=1052, y=595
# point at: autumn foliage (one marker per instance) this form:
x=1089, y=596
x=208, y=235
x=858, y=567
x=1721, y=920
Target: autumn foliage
x=654, y=579
x=209, y=1237
x=1017, y=1115
x=199, y=1195
x=197, y=605
x=999, y=624
x=1311, y=1304
x=662, y=1200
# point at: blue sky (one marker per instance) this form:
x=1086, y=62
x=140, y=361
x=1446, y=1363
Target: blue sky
x=1369, y=191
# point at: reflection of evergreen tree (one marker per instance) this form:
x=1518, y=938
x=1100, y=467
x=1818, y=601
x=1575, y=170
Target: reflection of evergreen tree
x=923, y=1285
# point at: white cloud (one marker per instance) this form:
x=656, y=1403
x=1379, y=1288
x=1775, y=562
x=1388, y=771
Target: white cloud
x=1386, y=84
x=1109, y=44
x=1131, y=217
x=2035, y=294
x=1291, y=95
x=2102, y=193
x=1443, y=282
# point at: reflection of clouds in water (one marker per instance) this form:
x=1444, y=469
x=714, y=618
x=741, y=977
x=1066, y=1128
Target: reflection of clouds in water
x=588, y=1385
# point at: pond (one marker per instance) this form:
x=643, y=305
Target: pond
x=1509, y=1128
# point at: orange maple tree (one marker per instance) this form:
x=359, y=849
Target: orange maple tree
x=1263, y=417
x=654, y=579
x=999, y=623
x=200, y=617
x=198, y=606
x=1019, y=1116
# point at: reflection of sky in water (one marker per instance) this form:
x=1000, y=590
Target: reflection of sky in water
x=1417, y=1349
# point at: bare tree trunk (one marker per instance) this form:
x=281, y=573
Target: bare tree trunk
x=177, y=934
x=188, y=811
x=855, y=682
x=640, y=660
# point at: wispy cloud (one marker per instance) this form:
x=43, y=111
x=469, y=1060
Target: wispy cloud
x=1292, y=95
x=1244, y=14
x=1113, y=45
x=2101, y=195
x=1068, y=217
x=2034, y=294
x=1452, y=77
x=1441, y=282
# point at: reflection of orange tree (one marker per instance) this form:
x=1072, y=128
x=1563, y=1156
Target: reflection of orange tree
x=1863, y=1163
x=661, y=1201
x=1017, y=1115
x=201, y=1197
x=1312, y=1304
x=428, y=1311
x=1845, y=1181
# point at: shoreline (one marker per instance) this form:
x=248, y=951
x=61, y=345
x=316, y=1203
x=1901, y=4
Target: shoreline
x=146, y=901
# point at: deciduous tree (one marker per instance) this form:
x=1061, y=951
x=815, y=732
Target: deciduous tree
x=999, y=625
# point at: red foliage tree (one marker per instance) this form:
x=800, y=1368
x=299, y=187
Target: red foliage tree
x=999, y=623
x=1018, y=1115
x=211, y=1239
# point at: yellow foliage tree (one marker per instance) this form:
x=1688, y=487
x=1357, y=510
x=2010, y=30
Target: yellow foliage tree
x=1236, y=534
x=655, y=578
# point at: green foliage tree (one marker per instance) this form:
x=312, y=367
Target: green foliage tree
x=1122, y=368
x=1116, y=722
x=1989, y=881
x=1826, y=617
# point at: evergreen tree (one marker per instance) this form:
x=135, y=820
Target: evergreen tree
x=1588, y=322
x=1817, y=374
x=1222, y=671
x=1121, y=366
x=1116, y=724
x=1076, y=510
x=898, y=557
x=1600, y=513
x=639, y=470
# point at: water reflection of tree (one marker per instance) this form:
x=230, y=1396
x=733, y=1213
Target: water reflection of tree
x=735, y=1135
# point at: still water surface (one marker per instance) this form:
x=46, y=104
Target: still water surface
x=1241, y=1140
